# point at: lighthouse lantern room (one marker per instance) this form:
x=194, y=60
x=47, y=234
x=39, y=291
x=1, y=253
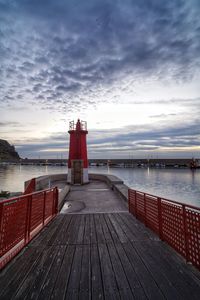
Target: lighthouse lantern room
x=77, y=162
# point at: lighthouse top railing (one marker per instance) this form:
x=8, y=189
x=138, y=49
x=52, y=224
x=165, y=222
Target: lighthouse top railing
x=73, y=125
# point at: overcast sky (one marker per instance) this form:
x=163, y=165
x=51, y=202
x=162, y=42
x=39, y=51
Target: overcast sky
x=131, y=69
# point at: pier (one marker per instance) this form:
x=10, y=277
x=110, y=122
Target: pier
x=95, y=249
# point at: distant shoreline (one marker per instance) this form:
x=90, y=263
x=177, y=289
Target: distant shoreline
x=115, y=163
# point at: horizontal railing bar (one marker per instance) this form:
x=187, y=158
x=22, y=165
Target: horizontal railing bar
x=168, y=200
x=26, y=195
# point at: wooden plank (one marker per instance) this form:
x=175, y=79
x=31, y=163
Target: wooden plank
x=109, y=282
x=32, y=284
x=99, y=230
x=105, y=229
x=112, y=231
x=186, y=288
x=131, y=275
x=47, y=232
x=129, y=232
x=81, y=231
x=67, y=235
x=61, y=236
x=155, y=267
x=189, y=272
x=96, y=276
x=12, y=277
x=138, y=229
x=85, y=279
x=62, y=279
x=122, y=282
x=86, y=239
x=121, y=235
x=93, y=237
x=76, y=232
x=72, y=231
x=74, y=279
x=51, y=277
x=144, y=276
x=55, y=230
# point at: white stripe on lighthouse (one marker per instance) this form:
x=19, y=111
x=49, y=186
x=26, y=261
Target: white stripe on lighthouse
x=85, y=175
x=69, y=176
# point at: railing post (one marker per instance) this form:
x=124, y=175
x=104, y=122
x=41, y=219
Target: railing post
x=1, y=216
x=136, y=204
x=145, y=220
x=34, y=185
x=129, y=209
x=185, y=233
x=55, y=201
x=160, y=218
x=28, y=219
x=31, y=187
x=44, y=207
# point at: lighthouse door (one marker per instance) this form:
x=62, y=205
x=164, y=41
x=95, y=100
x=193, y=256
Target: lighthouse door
x=77, y=170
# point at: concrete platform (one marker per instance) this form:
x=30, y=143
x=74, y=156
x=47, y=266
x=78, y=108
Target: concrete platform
x=95, y=197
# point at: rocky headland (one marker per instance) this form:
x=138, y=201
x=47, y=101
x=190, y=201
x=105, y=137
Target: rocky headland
x=8, y=152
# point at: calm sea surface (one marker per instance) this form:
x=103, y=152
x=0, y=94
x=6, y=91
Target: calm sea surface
x=176, y=184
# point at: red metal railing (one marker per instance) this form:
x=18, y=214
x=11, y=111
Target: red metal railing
x=21, y=218
x=176, y=223
x=30, y=187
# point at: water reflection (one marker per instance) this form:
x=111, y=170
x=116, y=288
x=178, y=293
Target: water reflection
x=148, y=171
x=176, y=184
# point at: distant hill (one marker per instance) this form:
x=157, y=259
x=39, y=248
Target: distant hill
x=7, y=152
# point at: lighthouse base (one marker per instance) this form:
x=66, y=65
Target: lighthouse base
x=77, y=177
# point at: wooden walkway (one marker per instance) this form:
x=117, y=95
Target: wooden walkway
x=98, y=256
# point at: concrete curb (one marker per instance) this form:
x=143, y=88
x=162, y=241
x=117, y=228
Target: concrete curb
x=61, y=197
x=47, y=181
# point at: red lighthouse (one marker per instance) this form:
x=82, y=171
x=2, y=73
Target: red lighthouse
x=77, y=162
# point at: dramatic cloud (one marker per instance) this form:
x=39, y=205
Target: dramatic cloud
x=65, y=58
x=63, y=50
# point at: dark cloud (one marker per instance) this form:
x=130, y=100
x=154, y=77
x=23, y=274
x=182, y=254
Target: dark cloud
x=163, y=116
x=76, y=47
x=10, y=124
x=152, y=133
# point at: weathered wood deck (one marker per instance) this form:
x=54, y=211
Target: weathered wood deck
x=98, y=256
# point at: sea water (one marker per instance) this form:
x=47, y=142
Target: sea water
x=172, y=183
